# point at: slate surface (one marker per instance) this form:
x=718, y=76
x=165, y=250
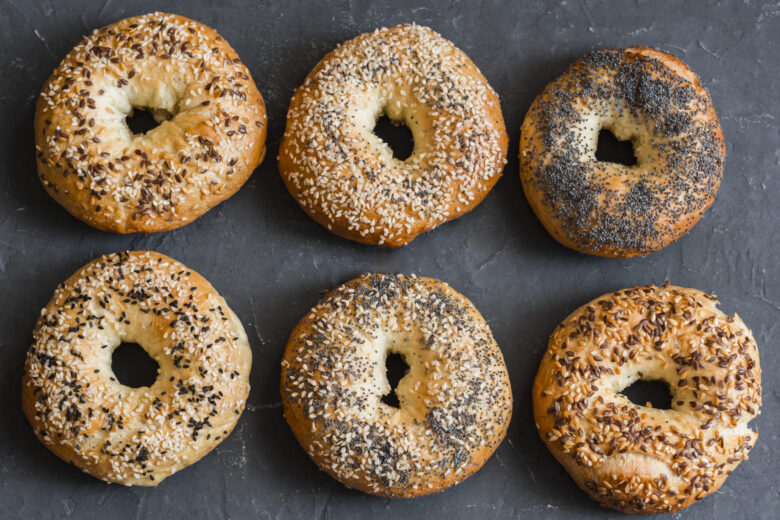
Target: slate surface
x=270, y=261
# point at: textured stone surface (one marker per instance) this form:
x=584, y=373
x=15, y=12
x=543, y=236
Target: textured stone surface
x=270, y=261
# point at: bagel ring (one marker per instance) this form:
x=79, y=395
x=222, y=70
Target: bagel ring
x=605, y=208
x=135, y=436
x=634, y=458
x=346, y=178
x=211, y=132
x=455, y=400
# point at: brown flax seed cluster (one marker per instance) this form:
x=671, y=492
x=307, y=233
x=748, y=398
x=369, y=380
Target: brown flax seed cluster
x=639, y=459
x=211, y=136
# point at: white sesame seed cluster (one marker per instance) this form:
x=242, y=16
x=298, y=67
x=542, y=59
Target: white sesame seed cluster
x=210, y=138
x=135, y=436
x=455, y=401
x=634, y=458
x=346, y=178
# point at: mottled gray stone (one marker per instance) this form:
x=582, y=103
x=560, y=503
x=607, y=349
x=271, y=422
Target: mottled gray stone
x=270, y=261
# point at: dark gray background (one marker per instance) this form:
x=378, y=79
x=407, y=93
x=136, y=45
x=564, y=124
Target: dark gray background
x=270, y=261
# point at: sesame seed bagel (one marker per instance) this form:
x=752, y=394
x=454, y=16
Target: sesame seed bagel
x=346, y=178
x=455, y=401
x=211, y=132
x=638, y=459
x=135, y=436
x=608, y=209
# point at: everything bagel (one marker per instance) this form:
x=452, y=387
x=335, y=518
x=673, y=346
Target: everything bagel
x=634, y=458
x=454, y=401
x=135, y=436
x=211, y=132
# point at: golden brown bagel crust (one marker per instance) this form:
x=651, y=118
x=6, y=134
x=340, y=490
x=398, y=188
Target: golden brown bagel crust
x=346, y=178
x=92, y=164
x=135, y=436
x=633, y=458
x=605, y=208
x=455, y=400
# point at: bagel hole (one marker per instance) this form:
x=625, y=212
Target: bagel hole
x=396, y=135
x=133, y=367
x=142, y=120
x=396, y=368
x=656, y=393
x=611, y=149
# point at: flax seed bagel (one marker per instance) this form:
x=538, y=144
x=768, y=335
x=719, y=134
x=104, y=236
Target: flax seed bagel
x=345, y=177
x=634, y=458
x=605, y=208
x=455, y=401
x=135, y=436
x=210, y=138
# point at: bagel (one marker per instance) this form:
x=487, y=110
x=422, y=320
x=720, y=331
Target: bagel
x=211, y=133
x=135, y=436
x=605, y=208
x=634, y=458
x=345, y=177
x=455, y=400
